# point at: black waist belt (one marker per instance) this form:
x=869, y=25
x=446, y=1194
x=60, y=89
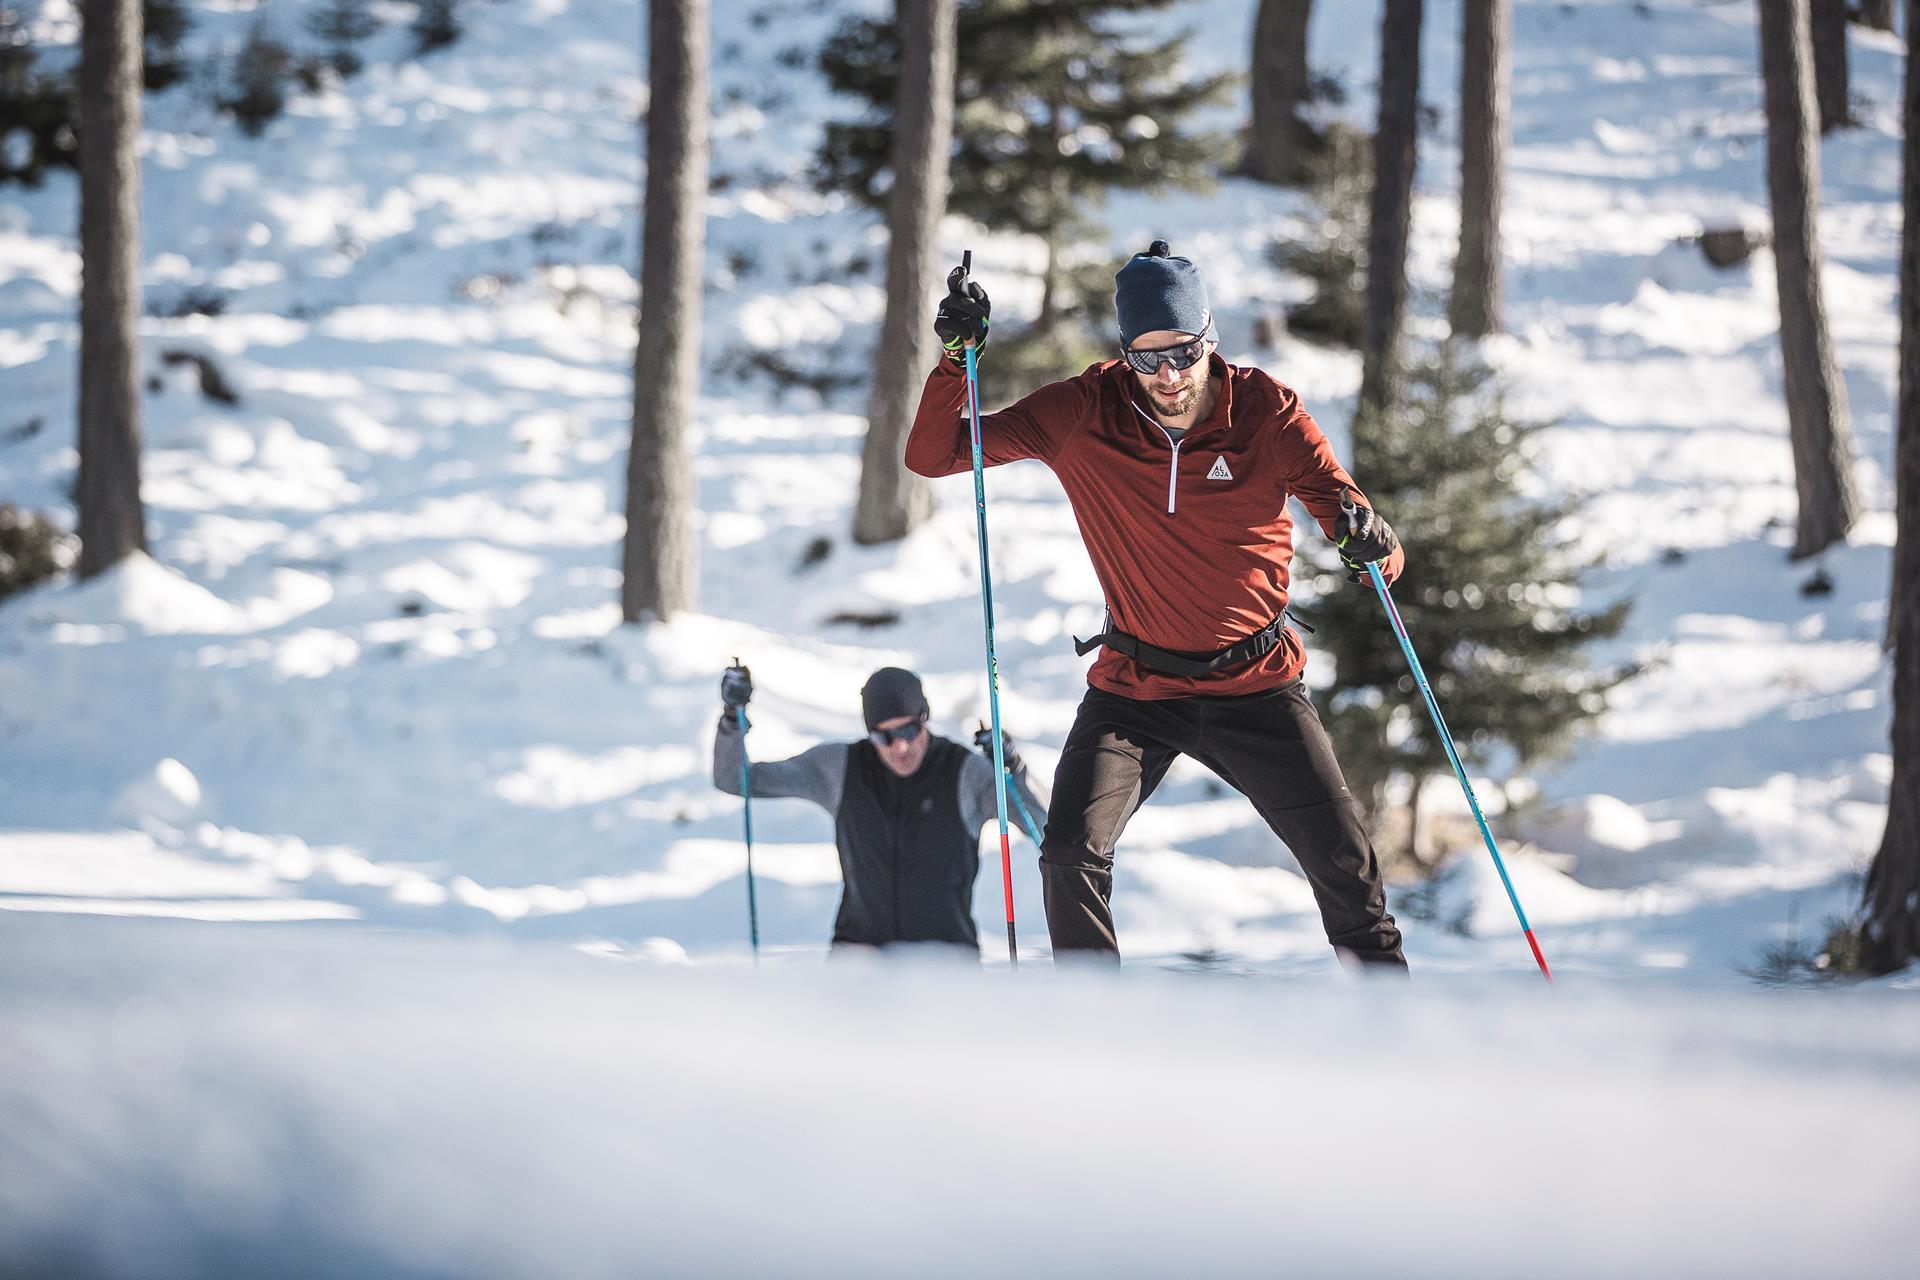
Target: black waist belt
x=1172, y=662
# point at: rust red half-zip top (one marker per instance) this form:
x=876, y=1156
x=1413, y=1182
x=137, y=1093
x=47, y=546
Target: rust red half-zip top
x=1190, y=539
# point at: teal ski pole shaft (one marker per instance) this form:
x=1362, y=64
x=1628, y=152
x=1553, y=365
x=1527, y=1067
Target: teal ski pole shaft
x=1026, y=818
x=986, y=609
x=746, y=813
x=1453, y=758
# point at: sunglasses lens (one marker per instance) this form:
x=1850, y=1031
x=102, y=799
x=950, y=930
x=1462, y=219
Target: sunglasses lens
x=905, y=733
x=1149, y=362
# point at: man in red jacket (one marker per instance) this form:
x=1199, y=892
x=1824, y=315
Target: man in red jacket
x=1178, y=466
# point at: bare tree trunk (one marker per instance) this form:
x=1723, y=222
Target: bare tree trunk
x=657, y=555
x=1280, y=142
x=1391, y=219
x=1050, y=274
x=1054, y=277
x=1415, y=787
x=1892, y=906
x=1060, y=211
x=1830, y=63
x=1877, y=14
x=1816, y=400
x=1476, y=305
x=894, y=501
x=112, y=520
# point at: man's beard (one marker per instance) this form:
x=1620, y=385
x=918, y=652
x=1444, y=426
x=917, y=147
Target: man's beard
x=1182, y=404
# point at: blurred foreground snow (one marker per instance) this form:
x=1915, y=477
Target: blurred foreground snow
x=182, y=1099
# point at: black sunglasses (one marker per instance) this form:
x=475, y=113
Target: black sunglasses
x=1181, y=357
x=905, y=733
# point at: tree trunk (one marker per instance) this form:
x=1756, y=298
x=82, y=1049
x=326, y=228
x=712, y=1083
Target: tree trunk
x=1052, y=274
x=894, y=501
x=1414, y=787
x=1830, y=63
x=112, y=520
x=1816, y=401
x=1877, y=14
x=1476, y=305
x=657, y=555
x=1392, y=209
x=1059, y=207
x=1891, y=929
x=1280, y=143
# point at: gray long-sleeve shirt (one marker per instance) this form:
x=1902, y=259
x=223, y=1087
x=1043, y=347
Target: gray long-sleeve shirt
x=819, y=774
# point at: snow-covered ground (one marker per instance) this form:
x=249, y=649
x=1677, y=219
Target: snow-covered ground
x=427, y=1107
x=373, y=681
x=375, y=671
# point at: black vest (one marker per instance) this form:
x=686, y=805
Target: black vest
x=906, y=859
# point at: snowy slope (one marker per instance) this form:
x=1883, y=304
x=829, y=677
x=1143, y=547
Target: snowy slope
x=374, y=671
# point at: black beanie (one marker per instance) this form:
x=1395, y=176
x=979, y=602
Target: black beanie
x=1155, y=290
x=890, y=693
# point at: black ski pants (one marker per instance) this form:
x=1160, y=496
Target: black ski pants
x=1268, y=746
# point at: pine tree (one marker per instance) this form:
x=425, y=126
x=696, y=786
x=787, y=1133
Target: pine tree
x=657, y=555
x=436, y=24
x=341, y=25
x=1489, y=595
x=1817, y=418
x=1391, y=221
x=166, y=23
x=893, y=501
x=1830, y=81
x=1056, y=104
x=41, y=108
x=1476, y=305
x=110, y=514
x=1877, y=14
x=32, y=549
x=1333, y=254
x=258, y=90
x=1280, y=142
x=1890, y=910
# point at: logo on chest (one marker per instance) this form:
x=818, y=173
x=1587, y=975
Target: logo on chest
x=1219, y=470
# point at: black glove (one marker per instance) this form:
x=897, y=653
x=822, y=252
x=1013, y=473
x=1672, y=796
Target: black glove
x=1363, y=536
x=736, y=689
x=963, y=315
x=983, y=739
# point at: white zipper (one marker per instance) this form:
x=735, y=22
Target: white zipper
x=1173, y=467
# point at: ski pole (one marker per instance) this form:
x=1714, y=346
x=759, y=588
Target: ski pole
x=1031, y=827
x=1026, y=818
x=1453, y=756
x=746, y=813
x=986, y=609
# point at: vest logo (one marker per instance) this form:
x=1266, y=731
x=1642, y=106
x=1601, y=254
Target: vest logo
x=1220, y=471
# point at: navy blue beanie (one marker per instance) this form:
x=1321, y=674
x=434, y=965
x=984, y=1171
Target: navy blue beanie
x=890, y=693
x=1155, y=290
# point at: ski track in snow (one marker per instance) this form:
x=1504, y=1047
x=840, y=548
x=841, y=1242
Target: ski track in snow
x=379, y=637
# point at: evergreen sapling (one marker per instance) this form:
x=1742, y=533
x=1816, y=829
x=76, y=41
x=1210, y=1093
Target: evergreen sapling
x=341, y=26
x=1490, y=597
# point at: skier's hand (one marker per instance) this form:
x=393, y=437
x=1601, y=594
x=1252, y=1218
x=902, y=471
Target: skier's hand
x=983, y=739
x=736, y=689
x=963, y=315
x=1363, y=536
